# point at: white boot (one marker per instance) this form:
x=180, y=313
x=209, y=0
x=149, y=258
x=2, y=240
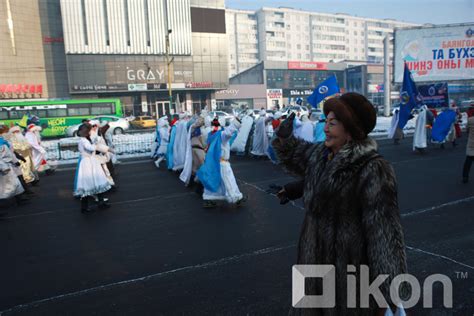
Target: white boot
x=157, y=162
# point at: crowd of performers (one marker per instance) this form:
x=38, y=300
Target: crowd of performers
x=198, y=148
x=431, y=127
x=22, y=161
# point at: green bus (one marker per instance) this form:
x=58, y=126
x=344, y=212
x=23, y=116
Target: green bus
x=57, y=115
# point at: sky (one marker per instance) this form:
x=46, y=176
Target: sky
x=415, y=11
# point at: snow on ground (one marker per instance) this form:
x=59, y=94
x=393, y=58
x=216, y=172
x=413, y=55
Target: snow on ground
x=64, y=150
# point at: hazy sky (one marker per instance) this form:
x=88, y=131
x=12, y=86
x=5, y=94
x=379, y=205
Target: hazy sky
x=416, y=11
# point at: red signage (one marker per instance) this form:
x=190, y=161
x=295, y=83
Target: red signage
x=205, y=84
x=53, y=39
x=21, y=88
x=307, y=65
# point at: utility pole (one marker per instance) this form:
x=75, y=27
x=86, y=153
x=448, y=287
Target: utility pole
x=168, y=60
x=386, y=81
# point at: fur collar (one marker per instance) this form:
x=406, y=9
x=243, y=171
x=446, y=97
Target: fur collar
x=355, y=150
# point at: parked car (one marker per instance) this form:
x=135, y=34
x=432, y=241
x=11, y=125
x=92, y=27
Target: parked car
x=298, y=109
x=144, y=122
x=117, y=125
x=228, y=117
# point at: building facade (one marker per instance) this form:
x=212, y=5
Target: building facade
x=285, y=34
x=32, y=63
x=118, y=48
x=286, y=82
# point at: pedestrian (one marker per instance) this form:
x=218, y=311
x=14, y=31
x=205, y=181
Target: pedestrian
x=240, y=144
x=470, y=146
x=350, y=197
x=419, y=137
x=10, y=185
x=23, y=148
x=162, y=139
x=216, y=173
x=39, y=153
x=443, y=128
x=319, y=136
x=179, y=145
x=395, y=132
x=195, y=151
x=91, y=179
x=260, y=137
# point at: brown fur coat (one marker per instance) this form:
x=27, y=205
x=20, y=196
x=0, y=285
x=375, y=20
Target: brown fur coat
x=352, y=215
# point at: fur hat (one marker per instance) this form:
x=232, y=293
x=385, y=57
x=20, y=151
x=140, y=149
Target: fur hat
x=355, y=112
x=3, y=129
x=84, y=130
x=15, y=129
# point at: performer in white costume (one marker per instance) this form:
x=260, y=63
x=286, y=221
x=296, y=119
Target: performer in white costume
x=90, y=178
x=162, y=139
x=419, y=137
x=216, y=173
x=179, y=146
x=240, y=142
x=260, y=137
x=39, y=153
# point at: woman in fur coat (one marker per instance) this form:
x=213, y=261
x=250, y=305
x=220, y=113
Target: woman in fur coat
x=350, y=196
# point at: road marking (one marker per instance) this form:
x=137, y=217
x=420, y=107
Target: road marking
x=169, y=196
x=205, y=265
x=432, y=208
x=440, y=256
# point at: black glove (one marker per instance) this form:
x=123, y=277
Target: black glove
x=286, y=127
x=279, y=191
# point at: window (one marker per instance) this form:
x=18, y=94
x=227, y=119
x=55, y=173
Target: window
x=98, y=109
x=355, y=32
x=3, y=114
x=79, y=109
x=57, y=112
x=16, y=114
x=298, y=46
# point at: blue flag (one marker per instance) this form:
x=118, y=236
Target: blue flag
x=325, y=89
x=409, y=98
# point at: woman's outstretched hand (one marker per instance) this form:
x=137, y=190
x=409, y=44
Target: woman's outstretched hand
x=286, y=127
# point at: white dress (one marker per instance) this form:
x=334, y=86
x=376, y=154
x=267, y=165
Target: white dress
x=90, y=177
x=419, y=137
x=229, y=191
x=260, y=138
x=10, y=186
x=241, y=140
x=179, y=146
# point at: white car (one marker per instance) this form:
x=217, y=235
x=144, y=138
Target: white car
x=228, y=117
x=117, y=125
x=298, y=109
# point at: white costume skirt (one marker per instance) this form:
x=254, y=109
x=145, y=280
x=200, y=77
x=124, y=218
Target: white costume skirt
x=90, y=177
x=229, y=190
x=10, y=186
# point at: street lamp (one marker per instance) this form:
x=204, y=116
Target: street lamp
x=168, y=62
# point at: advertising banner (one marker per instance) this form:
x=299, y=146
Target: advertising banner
x=436, y=53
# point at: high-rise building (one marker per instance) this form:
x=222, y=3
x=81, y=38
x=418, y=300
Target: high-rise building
x=286, y=34
x=32, y=62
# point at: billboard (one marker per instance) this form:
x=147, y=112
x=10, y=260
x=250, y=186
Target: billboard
x=434, y=95
x=436, y=53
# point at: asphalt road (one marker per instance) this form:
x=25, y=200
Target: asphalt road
x=158, y=252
